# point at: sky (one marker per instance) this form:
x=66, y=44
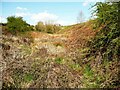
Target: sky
x=64, y=13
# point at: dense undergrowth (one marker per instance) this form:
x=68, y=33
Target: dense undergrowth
x=107, y=40
x=105, y=46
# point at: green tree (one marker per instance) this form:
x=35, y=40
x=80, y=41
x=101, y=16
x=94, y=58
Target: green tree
x=17, y=24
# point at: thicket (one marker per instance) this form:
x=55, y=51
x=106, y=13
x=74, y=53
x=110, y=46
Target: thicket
x=107, y=40
x=17, y=25
x=102, y=64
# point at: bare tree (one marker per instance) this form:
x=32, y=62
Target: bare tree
x=80, y=17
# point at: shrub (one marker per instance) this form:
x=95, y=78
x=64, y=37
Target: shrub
x=40, y=27
x=105, y=47
x=47, y=28
x=17, y=24
x=107, y=40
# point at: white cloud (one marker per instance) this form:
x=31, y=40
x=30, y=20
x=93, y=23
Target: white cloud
x=20, y=8
x=3, y=20
x=0, y=19
x=43, y=16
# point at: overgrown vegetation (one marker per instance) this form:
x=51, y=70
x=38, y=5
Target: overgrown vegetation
x=47, y=28
x=84, y=58
x=104, y=47
x=17, y=25
x=107, y=40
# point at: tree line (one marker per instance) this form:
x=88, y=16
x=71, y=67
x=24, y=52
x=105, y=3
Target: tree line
x=17, y=25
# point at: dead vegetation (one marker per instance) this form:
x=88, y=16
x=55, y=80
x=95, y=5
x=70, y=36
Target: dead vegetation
x=40, y=60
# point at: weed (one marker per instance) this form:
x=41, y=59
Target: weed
x=28, y=77
x=26, y=49
x=88, y=72
x=75, y=66
x=59, y=60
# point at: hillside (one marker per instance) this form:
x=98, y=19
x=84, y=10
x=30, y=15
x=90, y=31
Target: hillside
x=49, y=55
x=42, y=60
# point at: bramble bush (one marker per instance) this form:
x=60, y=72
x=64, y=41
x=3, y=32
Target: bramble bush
x=107, y=40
